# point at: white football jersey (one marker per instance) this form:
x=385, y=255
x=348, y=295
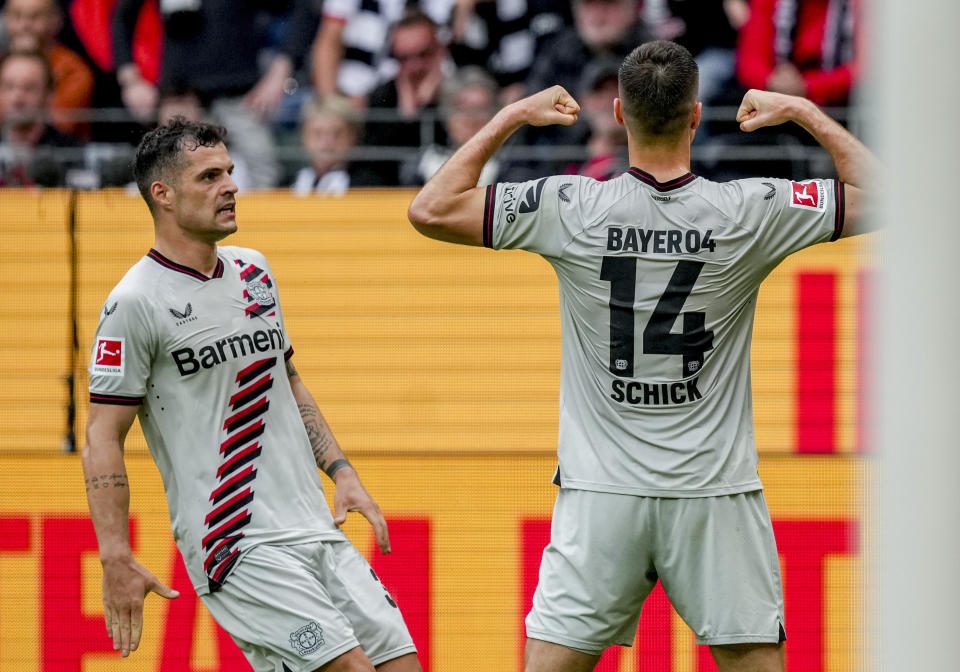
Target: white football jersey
x=658, y=287
x=204, y=359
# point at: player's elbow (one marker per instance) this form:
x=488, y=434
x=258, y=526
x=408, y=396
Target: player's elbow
x=426, y=217
x=450, y=218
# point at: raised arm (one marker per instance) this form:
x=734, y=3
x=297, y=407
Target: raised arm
x=125, y=581
x=139, y=95
x=349, y=495
x=326, y=54
x=450, y=205
x=856, y=166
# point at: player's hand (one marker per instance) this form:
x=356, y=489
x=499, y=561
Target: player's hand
x=766, y=108
x=125, y=585
x=547, y=107
x=350, y=495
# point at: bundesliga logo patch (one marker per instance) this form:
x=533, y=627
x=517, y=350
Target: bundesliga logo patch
x=108, y=357
x=808, y=196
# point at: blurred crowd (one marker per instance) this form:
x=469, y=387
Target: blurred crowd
x=324, y=95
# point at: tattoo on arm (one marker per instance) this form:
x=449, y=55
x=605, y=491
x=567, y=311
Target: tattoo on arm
x=291, y=369
x=106, y=481
x=318, y=433
x=336, y=466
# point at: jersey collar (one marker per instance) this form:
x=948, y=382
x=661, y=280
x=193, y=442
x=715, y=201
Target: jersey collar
x=647, y=178
x=186, y=270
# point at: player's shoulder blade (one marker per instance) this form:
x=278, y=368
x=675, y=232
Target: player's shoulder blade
x=583, y=202
x=765, y=188
x=743, y=199
x=611, y=188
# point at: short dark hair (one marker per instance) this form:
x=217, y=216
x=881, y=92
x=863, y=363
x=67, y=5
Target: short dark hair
x=658, y=89
x=160, y=151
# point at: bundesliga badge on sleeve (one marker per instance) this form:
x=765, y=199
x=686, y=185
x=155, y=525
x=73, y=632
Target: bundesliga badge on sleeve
x=108, y=357
x=808, y=195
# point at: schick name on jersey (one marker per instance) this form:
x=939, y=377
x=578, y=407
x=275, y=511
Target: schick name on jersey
x=656, y=241
x=225, y=349
x=655, y=394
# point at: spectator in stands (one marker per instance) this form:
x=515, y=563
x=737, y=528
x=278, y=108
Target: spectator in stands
x=801, y=47
x=607, y=140
x=602, y=29
x=32, y=152
x=351, y=52
x=211, y=46
x=178, y=100
x=329, y=132
x=467, y=102
x=33, y=26
x=505, y=36
x=414, y=94
x=709, y=31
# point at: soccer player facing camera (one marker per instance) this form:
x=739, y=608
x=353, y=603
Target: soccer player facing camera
x=659, y=272
x=192, y=340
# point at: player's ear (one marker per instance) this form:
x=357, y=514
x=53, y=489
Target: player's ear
x=696, y=115
x=618, y=111
x=162, y=194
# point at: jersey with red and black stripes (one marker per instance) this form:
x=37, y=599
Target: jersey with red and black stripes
x=203, y=357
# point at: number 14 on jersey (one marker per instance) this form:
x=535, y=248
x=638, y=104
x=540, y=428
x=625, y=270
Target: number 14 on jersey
x=658, y=338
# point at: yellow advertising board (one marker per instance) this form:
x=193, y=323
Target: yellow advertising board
x=467, y=531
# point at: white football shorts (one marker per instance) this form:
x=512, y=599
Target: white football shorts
x=296, y=608
x=715, y=557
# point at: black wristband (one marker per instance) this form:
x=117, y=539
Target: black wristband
x=336, y=466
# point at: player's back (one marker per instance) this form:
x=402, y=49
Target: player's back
x=658, y=285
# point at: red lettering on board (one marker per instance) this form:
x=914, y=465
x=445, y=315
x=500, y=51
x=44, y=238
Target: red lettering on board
x=66, y=538
x=816, y=416
x=405, y=573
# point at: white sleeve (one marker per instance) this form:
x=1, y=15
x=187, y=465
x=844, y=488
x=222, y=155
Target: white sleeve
x=123, y=349
x=798, y=215
x=539, y=216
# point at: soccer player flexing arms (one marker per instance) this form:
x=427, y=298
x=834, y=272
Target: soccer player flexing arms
x=659, y=272
x=192, y=340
